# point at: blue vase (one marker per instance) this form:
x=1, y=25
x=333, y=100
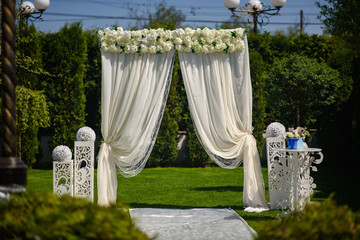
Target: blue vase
x=295, y=143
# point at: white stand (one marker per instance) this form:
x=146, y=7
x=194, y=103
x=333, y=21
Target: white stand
x=63, y=178
x=273, y=143
x=289, y=177
x=84, y=170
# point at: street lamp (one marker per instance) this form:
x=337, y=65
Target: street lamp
x=28, y=9
x=256, y=9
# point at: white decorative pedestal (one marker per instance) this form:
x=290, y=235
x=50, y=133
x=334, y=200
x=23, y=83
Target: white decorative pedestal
x=290, y=183
x=84, y=170
x=63, y=178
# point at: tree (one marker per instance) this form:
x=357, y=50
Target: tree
x=31, y=114
x=300, y=87
x=258, y=77
x=92, y=82
x=164, y=17
x=64, y=54
x=342, y=20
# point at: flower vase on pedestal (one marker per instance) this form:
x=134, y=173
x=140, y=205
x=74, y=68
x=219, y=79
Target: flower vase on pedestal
x=295, y=143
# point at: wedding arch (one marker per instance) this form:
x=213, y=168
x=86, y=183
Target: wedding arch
x=136, y=76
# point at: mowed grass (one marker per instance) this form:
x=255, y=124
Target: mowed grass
x=208, y=188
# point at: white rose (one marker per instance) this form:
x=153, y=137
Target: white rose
x=187, y=49
x=144, y=48
x=152, y=49
x=180, y=48
x=205, y=49
x=178, y=41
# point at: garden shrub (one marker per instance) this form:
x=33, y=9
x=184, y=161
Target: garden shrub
x=323, y=220
x=32, y=114
x=64, y=56
x=258, y=77
x=197, y=156
x=46, y=216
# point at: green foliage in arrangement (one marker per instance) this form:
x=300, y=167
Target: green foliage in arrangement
x=64, y=54
x=299, y=87
x=320, y=220
x=46, y=216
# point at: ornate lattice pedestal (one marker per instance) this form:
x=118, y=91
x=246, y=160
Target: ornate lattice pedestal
x=84, y=170
x=63, y=177
x=290, y=183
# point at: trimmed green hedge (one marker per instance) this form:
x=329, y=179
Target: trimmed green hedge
x=46, y=216
x=323, y=220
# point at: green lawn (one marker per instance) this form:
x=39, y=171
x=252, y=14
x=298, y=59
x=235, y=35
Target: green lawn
x=209, y=188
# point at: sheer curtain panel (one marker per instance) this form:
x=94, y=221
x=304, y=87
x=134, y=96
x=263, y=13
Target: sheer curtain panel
x=134, y=93
x=218, y=87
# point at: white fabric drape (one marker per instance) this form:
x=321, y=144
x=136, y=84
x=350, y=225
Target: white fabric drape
x=133, y=97
x=218, y=87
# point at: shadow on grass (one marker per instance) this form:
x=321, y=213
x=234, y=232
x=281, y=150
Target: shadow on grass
x=220, y=189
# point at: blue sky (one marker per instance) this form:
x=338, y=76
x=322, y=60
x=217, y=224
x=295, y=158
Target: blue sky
x=211, y=13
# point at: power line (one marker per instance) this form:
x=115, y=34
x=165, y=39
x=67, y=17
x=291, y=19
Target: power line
x=92, y=17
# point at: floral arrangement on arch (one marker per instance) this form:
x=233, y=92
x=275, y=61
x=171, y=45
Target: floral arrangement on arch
x=205, y=40
x=299, y=132
x=156, y=41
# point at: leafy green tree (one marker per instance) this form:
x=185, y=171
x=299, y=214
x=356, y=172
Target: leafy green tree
x=342, y=20
x=92, y=82
x=31, y=115
x=258, y=77
x=28, y=57
x=64, y=55
x=299, y=88
x=164, y=17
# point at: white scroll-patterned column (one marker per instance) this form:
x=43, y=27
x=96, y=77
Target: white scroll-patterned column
x=84, y=164
x=62, y=171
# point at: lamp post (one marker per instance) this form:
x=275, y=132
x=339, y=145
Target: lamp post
x=258, y=10
x=28, y=9
x=13, y=172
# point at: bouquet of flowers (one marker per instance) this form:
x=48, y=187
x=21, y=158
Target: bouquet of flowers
x=299, y=132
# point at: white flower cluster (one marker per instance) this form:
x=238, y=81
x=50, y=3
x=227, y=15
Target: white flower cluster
x=200, y=40
x=208, y=40
x=61, y=153
x=299, y=132
x=138, y=41
x=85, y=134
